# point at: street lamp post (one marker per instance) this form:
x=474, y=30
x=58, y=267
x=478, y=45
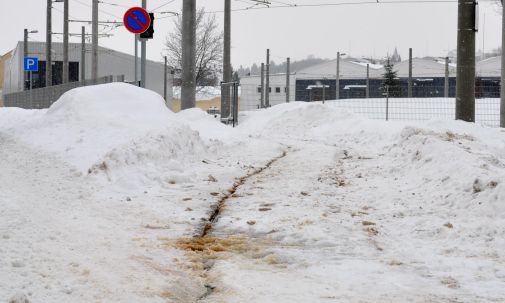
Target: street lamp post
x=337, y=90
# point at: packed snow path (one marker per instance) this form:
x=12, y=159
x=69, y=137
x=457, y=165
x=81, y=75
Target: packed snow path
x=327, y=224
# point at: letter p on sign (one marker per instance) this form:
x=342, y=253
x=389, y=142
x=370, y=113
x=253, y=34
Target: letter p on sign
x=31, y=64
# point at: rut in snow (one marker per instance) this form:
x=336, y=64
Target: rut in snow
x=203, y=245
x=218, y=207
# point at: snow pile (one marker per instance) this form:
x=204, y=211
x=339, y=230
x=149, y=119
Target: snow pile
x=203, y=93
x=106, y=127
x=464, y=161
x=468, y=170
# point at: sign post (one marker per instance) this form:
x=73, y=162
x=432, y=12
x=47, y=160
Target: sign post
x=31, y=64
x=137, y=21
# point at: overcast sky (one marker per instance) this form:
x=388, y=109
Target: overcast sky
x=360, y=29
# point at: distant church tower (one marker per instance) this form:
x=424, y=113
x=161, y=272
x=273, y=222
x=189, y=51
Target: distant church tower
x=396, y=57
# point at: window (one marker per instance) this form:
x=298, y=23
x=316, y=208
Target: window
x=259, y=89
x=269, y=89
x=278, y=90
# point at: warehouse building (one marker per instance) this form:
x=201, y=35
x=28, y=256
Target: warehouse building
x=110, y=63
x=428, y=80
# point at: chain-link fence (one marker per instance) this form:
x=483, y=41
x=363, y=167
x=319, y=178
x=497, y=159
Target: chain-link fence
x=44, y=97
x=487, y=111
x=427, y=103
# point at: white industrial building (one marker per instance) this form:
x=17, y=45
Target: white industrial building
x=110, y=63
x=250, y=97
x=318, y=82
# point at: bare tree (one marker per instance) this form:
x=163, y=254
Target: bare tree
x=209, y=48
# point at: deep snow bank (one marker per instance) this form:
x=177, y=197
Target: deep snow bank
x=107, y=127
x=462, y=164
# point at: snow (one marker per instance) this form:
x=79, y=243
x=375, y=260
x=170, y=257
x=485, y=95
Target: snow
x=98, y=192
x=204, y=93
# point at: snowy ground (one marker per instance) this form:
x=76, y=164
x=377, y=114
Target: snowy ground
x=104, y=196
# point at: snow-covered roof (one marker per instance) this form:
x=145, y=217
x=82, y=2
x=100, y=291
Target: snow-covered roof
x=349, y=69
x=490, y=67
x=424, y=67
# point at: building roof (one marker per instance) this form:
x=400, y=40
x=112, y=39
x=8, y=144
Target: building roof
x=421, y=68
x=349, y=69
x=424, y=67
x=490, y=67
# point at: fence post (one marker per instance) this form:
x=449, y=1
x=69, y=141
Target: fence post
x=368, y=81
x=236, y=103
x=288, y=68
x=387, y=102
x=262, y=100
x=409, y=89
x=324, y=92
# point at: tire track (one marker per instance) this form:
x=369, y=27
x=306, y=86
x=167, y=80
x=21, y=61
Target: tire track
x=203, y=247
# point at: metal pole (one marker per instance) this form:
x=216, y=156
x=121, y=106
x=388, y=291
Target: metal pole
x=25, y=54
x=136, y=68
x=410, y=74
x=188, y=87
x=94, y=42
x=446, y=84
x=83, y=53
x=367, y=81
x=49, y=63
x=288, y=74
x=65, y=42
x=262, y=98
x=143, y=55
x=31, y=90
x=225, y=98
x=502, y=108
x=165, y=80
x=267, y=88
x=465, y=84
x=337, y=90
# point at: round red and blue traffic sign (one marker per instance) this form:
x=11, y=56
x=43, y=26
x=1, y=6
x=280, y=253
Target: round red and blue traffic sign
x=137, y=20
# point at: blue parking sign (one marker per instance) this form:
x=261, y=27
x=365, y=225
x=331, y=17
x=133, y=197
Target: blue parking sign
x=31, y=64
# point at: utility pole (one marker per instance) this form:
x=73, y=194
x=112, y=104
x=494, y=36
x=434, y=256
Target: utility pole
x=65, y=42
x=188, y=88
x=136, y=68
x=502, y=108
x=25, y=54
x=446, y=84
x=267, y=88
x=49, y=63
x=367, y=93
x=143, y=55
x=165, y=80
x=337, y=90
x=83, y=53
x=262, y=98
x=225, y=98
x=94, y=42
x=410, y=74
x=465, y=83
x=288, y=74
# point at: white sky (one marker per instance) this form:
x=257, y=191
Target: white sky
x=361, y=30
